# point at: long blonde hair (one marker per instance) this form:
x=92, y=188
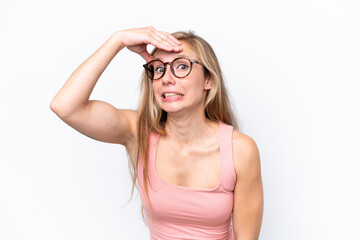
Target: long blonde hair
x=152, y=118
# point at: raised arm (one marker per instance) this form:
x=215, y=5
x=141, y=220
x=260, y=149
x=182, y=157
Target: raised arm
x=98, y=119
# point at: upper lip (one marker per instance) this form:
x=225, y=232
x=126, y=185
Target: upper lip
x=162, y=94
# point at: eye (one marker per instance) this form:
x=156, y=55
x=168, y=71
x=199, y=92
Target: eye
x=182, y=67
x=159, y=70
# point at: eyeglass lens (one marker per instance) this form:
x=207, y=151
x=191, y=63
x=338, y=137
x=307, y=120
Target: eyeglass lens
x=180, y=68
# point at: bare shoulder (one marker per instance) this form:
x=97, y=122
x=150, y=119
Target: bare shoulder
x=246, y=154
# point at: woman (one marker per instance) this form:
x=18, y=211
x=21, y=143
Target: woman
x=195, y=172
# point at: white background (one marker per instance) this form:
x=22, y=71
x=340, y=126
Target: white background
x=292, y=69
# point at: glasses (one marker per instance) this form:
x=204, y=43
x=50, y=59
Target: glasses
x=180, y=68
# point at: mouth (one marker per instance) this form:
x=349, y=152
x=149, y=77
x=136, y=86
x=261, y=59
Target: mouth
x=171, y=95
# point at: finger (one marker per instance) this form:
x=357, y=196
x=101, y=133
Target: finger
x=157, y=36
x=146, y=55
x=175, y=43
x=169, y=45
x=167, y=39
x=162, y=44
x=172, y=38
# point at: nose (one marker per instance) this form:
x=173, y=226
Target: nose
x=168, y=77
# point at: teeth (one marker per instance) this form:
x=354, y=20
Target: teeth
x=172, y=95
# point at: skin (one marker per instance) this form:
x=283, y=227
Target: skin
x=188, y=155
x=185, y=116
x=190, y=135
x=190, y=150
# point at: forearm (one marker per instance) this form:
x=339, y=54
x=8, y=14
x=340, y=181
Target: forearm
x=76, y=91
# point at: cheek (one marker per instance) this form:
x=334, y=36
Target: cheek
x=196, y=92
x=199, y=85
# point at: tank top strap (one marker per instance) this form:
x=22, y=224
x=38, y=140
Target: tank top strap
x=226, y=156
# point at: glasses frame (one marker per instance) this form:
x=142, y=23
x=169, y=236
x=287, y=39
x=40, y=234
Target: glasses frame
x=192, y=61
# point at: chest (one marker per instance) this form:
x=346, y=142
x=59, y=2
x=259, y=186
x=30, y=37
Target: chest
x=196, y=166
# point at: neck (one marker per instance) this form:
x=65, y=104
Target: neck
x=188, y=129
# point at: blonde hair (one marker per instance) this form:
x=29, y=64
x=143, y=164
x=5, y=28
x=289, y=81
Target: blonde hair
x=152, y=118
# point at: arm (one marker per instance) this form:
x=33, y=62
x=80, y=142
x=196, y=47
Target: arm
x=97, y=119
x=248, y=193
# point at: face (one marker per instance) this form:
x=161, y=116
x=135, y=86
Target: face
x=181, y=95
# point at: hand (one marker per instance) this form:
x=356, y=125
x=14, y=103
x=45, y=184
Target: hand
x=137, y=39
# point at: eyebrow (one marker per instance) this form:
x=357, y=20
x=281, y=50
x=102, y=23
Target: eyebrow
x=181, y=55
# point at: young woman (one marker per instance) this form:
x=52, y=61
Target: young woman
x=196, y=173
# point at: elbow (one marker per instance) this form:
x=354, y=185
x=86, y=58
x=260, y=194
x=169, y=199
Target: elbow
x=53, y=106
x=65, y=109
x=57, y=108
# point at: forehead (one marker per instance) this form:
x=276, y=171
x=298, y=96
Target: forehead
x=188, y=51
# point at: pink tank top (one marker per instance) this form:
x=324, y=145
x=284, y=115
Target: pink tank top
x=189, y=213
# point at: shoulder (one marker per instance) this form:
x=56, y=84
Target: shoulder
x=243, y=142
x=246, y=154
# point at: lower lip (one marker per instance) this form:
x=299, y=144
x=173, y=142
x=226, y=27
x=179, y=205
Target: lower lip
x=173, y=98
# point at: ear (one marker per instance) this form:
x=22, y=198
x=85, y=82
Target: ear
x=208, y=83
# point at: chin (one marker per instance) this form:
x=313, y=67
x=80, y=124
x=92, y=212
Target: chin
x=172, y=109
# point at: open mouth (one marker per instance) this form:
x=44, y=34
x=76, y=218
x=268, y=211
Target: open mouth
x=169, y=95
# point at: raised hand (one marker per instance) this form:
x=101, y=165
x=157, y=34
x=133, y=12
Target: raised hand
x=137, y=39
